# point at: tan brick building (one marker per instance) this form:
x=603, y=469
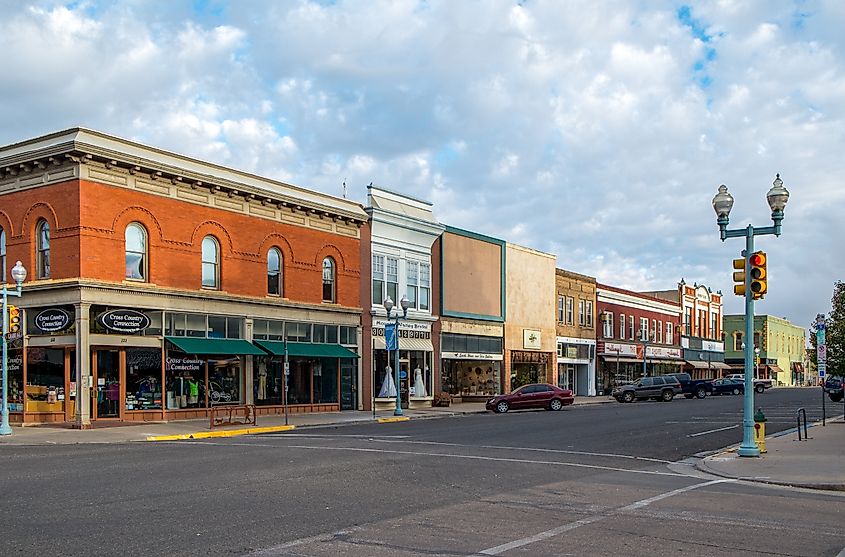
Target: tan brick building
x=575, y=314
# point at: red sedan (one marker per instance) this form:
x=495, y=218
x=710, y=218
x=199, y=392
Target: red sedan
x=536, y=395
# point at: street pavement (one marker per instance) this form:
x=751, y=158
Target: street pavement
x=597, y=479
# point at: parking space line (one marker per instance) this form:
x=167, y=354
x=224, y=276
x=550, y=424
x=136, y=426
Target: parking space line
x=713, y=430
x=595, y=518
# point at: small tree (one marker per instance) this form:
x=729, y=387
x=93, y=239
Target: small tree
x=835, y=331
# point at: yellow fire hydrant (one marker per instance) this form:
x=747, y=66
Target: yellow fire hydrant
x=760, y=430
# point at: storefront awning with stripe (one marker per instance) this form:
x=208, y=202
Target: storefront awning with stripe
x=414, y=344
x=306, y=349
x=704, y=365
x=215, y=346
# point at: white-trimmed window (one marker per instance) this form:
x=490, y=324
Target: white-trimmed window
x=581, y=315
x=659, y=330
x=210, y=263
x=274, y=272
x=589, y=310
x=622, y=326
x=425, y=286
x=631, y=327
x=570, y=310
x=392, y=276
x=560, y=310
x=3, y=254
x=135, y=237
x=714, y=329
x=669, y=333
x=643, y=328
x=328, y=280
x=42, y=249
x=653, y=336
x=378, y=280
x=607, y=326
x=412, y=290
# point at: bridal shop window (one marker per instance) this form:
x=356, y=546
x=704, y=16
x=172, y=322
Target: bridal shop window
x=415, y=374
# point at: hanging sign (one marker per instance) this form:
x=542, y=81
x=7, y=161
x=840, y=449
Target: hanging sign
x=123, y=321
x=52, y=320
x=390, y=336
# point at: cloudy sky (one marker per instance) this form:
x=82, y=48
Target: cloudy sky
x=597, y=131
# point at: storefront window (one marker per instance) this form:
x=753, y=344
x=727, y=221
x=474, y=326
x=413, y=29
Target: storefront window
x=45, y=375
x=325, y=380
x=523, y=374
x=409, y=363
x=224, y=381
x=184, y=378
x=143, y=379
x=299, y=381
x=267, y=380
x=472, y=377
x=15, y=372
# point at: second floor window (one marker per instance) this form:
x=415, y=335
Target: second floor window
x=328, y=280
x=737, y=341
x=581, y=314
x=621, y=325
x=608, y=325
x=392, y=274
x=643, y=328
x=413, y=282
x=42, y=246
x=659, y=330
x=210, y=263
x=570, y=310
x=669, y=333
x=274, y=272
x=425, y=286
x=631, y=327
x=3, y=254
x=560, y=309
x=589, y=314
x=135, y=239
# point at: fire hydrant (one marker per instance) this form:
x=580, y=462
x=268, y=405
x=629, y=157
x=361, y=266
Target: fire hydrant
x=760, y=430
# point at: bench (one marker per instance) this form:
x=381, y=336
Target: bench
x=232, y=414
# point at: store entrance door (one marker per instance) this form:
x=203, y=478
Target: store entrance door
x=107, y=382
x=347, y=386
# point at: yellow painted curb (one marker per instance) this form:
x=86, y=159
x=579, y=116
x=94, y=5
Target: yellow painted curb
x=222, y=433
x=394, y=419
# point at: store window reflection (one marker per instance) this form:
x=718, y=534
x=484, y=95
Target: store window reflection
x=45, y=375
x=267, y=381
x=15, y=371
x=224, y=381
x=143, y=379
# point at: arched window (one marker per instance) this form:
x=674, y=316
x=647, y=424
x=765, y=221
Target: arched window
x=328, y=280
x=3, y=254
x=274, y=272
x=210, y=263
x=42, y=247
x=136, y=252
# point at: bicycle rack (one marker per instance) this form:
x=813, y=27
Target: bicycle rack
x=803, y=412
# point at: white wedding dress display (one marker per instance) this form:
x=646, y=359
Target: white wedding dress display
x=388, y=387
x=419, y=386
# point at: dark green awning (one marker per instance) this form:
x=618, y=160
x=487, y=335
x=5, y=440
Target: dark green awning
x=306, y=349
x=215, y=346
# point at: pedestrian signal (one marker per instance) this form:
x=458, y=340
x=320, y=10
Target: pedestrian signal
x=759, y=276
x=739, y=277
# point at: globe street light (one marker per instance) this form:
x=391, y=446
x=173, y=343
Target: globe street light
x=723, y=201
x=388, y=306
x=18, y=275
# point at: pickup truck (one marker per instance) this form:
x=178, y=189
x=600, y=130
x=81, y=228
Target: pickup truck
x=690, y=387
x=760, y=385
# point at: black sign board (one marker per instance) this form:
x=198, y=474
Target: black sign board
x=123, y=321
x=52, y=320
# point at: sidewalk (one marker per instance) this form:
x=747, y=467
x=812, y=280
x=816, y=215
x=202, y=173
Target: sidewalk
x=61, y=434
x=818, y=463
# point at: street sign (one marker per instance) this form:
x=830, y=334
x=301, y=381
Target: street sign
x=287, y=368
x=822, y=369
x=821, y=353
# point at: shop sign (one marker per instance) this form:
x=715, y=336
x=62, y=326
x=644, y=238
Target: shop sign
x=531, y=339
x=123, y=321
x=15, y=364
x=471, y=356
x=661, y=352
x=183, y=364
x=616, y=349
x=52, y=320
x=407, y=329
x=712, y=346
x=529, y=357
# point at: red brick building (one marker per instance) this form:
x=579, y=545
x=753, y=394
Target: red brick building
x=161, y=286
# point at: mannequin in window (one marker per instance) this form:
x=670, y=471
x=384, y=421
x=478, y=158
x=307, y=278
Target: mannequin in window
x=193, y=391
x=388, y=388
x=419, y=384
x=262, y=381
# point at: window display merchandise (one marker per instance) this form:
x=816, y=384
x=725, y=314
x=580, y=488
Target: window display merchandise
x=143, y=379
x=45, y=375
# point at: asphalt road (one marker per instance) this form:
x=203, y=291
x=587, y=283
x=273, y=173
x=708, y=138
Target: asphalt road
x=607, y=479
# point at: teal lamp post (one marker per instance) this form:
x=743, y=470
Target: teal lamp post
x=388, y=306
x=722, y=204
x=18, y=275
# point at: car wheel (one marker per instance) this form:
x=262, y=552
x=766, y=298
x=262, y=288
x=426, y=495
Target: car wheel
x=628, y=397
x=835, y=397
x=667, y=396
x=700, y=392
x=555, y=404
x=759, y=388
x=502, y=407
x=735, y=391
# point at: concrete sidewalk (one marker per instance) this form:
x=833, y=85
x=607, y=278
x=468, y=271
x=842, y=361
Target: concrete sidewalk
x=817, y=463
x=62, y=434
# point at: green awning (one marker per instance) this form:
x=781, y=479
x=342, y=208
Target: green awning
x=306, y=349
x=215, y=346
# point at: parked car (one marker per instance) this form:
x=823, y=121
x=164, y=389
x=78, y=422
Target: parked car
x=659, y=387
x=698, y=388
x=834, y=387
x=535, y=395
x=760, y=385
x=728, y=387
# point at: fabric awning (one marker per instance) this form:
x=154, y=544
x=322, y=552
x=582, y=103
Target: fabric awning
x=306, y=349
x=720, y=365
x=612, y=359
x=215, y=346
x=418, y=344
x=699, y=365
x=666, y=361
x=775, y=369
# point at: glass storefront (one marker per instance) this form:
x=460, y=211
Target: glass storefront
x=415, y=375
x=143, y=379
x=524, y=374
x=467, y=378
x=224, y=381
x=45, y=376
x=15, y=373
x=184, y=378
x=267, y=380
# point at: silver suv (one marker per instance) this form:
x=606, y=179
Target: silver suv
x=659, y=387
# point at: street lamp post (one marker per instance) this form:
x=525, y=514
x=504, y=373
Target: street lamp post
x=18, y=275
x=644, y=339
x=777, y=197
x=388, y=306
x=756, y=362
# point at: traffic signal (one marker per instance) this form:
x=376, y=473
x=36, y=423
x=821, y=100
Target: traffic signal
x=14, y=319
x=759, y=277
x=739, y=277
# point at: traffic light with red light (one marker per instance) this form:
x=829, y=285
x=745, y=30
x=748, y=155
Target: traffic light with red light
x=14, y=319
x=759, y=275
x=739, y=277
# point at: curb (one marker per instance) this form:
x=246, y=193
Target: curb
x=224, y=433
x=393, y=419
x=702, y=465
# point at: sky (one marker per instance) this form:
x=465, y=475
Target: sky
x=598, y=131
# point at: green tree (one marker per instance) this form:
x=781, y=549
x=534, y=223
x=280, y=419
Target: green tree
x=835, y=331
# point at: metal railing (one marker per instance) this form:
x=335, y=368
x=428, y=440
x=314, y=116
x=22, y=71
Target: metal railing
x=801, y=412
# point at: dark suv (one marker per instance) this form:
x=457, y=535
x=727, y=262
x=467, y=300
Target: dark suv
x=834, y=387
x=659, y=387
